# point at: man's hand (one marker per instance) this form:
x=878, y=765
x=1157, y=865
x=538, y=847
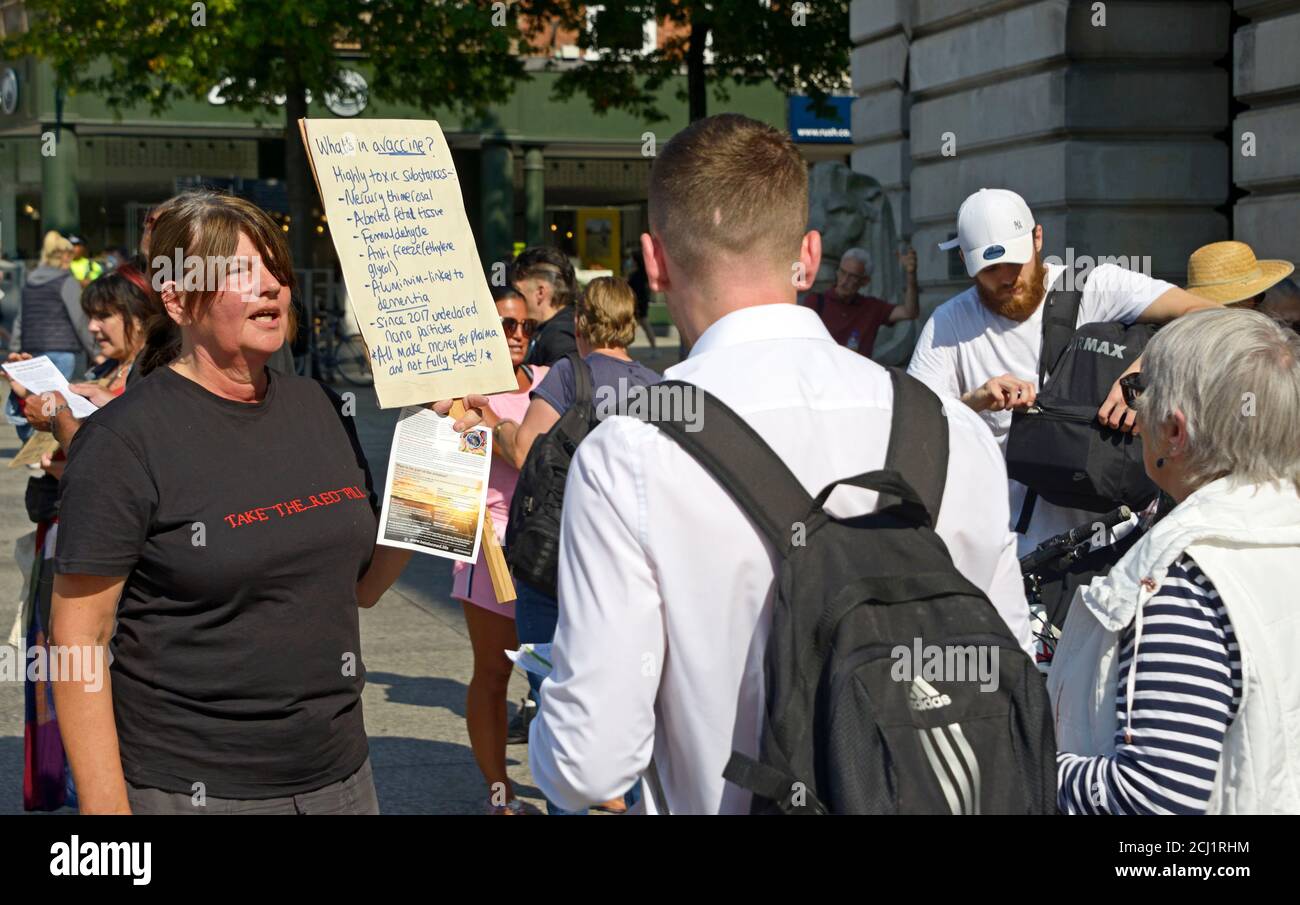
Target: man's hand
x=52, y=468
x=1114, y=413
x=41, y=410
x=94, y=392
x=473, y=414
x=910, y=310
x=1001, y=393
x=19, y=390
x=908, y=260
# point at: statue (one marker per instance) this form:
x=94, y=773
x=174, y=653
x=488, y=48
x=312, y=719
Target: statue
x=851, y=210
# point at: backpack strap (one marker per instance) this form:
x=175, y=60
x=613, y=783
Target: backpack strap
x=1060, y=311
x=1026, y=511
x=742, y=462
x=774, y=785
x=918, y=440
x=582, y=386
x=888, y=483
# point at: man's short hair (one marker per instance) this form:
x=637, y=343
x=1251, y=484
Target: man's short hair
x=862, y=256
x=729, y=184
x=545, y=262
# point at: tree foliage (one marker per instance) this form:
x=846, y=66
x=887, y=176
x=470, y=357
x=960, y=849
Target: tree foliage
x=800, y=47
x=446, y=55
x=453, y=55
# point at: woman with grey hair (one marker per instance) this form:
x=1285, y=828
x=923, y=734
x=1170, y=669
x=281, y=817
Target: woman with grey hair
x=1173, y=685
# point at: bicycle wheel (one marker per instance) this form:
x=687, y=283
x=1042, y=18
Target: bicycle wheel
x=352, y=362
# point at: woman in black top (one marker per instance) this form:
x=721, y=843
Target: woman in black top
x=222, y=514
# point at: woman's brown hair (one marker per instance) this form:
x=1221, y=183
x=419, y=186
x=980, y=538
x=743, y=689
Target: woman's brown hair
x=606, y=314
x=123, y=292
x=206, y=225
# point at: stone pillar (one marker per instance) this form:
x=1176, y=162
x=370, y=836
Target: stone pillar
x=881, y=33
x=497, y=196
x=60, y=208
x=534, y=196
x=1266, y=137
x=9, y=201
x=880, y=29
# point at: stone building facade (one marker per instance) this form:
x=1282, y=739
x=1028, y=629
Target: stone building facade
x=1136, y=129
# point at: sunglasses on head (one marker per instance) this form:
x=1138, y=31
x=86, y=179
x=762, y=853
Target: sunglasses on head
x=510, y=324
x=1132, y=385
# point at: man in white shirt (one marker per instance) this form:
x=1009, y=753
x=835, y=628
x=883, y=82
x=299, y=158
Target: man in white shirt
x=665, y=585
x=983, y=345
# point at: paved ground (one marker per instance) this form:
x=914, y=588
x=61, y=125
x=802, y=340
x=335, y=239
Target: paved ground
x=415, y=647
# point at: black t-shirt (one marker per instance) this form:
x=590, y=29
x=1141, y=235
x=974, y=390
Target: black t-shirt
x=639, y=282
x=554, y=340
x=242, y=530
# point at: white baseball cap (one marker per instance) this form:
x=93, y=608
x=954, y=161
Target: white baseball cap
x=994, y=226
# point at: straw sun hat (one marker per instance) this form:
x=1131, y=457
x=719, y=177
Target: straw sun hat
x=1228, y=272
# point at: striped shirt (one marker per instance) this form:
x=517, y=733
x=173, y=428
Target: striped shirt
x=1187, y=691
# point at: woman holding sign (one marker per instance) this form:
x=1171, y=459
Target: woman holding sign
x=232, y=563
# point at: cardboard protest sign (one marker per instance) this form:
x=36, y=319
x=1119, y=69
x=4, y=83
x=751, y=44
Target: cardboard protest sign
x=413, y=276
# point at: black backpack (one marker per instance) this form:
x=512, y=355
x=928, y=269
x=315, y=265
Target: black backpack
x=533, y=531
x=1057, y=447
x=841, y=734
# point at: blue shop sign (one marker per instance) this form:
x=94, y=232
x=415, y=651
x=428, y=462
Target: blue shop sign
x=808, y=128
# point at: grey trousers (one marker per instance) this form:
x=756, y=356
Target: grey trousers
x=354, y=795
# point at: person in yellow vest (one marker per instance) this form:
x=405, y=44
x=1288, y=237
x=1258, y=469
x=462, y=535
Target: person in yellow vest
x=84, y=270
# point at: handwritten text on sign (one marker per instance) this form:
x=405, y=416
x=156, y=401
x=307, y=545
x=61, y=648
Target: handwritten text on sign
x=417, y=288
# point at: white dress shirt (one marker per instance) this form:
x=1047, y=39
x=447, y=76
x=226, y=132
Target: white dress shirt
x=666, y=586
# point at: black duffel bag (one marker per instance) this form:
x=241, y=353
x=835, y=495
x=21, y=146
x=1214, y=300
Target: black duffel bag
x=1069, y=458
x=1057, y=447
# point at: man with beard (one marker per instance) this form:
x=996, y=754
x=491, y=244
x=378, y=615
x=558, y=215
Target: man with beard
x=983, y=345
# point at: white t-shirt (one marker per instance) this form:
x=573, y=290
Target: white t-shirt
x=964, y=344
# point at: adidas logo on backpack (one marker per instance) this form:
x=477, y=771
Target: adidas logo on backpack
x=923, y=696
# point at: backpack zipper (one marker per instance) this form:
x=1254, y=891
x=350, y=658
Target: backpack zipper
x=1062, y=413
